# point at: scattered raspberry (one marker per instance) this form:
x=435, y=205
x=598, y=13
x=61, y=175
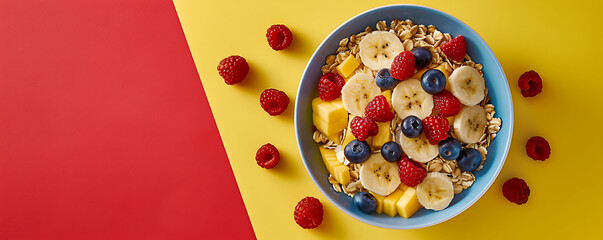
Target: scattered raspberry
x=446, y=104
x=267, y=156
x=308, y=213
x=329, y=86
x=273, y=101
x=530, y=84
x=516, y=190
x=363, y=128
x=411, y=173
x=378, y=110
x=233, y=69
x=279, y=37
x=403, y=66
x=435, y=128
x=455, y=49
x=538, y=148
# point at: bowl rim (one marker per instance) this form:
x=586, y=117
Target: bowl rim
x=507, y=143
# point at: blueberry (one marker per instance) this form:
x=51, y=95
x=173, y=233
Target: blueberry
x=365, y=201
x=422, y=57
x=450, y=148
x=433, y=81
x=469, y=159
x=385, y=80
x=412, y=127
x=391, y=151
x=357, y=151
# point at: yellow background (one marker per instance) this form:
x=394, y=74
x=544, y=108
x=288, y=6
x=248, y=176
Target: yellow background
x=560, y=40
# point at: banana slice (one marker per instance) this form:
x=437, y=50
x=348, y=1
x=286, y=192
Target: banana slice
x=470, y=124
x=467, y=85
x=409, y=98
x=379, y=176
x=419, y=148
x=358, y=92
x=436, y=191
x=379, y=48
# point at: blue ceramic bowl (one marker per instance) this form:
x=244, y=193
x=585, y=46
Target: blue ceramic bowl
x=498, y=92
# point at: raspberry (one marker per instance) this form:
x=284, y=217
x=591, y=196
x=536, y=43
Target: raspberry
x=273, y=101
x=329, y=86
x=455, y=49
x=530, y=84
x=516, y=190
x=308, y=213
x=446, y=104
x=378, y=110
x=233, y=69
x=267, y=156
x=363, y=128
x=538, y=148
x=403, y=66
x=411, y=173
x=435, y=128
x=279, y=37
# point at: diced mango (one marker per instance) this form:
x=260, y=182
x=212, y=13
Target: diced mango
x=419, y=73
x=342, y=174
x=383, y=136
x=408, y=203
x=389, y=203
x=347, y=67
x=318, y=121
x=338, y=103
x=403, y=187
x=359, y=70
x=450, y=120
x=441, y=67
x=348, y=132
x=330, y=118
x=329, y=157
x=321, y=107
x=348, y=138
x=388, y=96
x=379, y=199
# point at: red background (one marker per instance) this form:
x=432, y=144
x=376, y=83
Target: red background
x=105, y=131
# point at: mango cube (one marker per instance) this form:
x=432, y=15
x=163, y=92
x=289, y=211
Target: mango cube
x=408, y=203
x=329, y=157
x=340, y=172
x=388, y=96
x=379, y=199
x=347, y=67
x=338, y=103
x=389, y=203
x=419, y=73
x=403, y=187
x=441, y=67
x=330, y=118
x=450, y=120
x=383, y=136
